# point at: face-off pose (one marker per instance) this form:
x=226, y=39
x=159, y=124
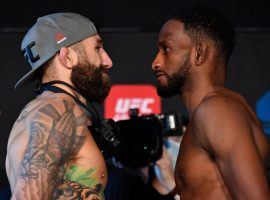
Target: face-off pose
x=51, y=153
x=224, y=150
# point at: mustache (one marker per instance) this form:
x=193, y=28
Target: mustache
x=103, y=69
x=159, y=72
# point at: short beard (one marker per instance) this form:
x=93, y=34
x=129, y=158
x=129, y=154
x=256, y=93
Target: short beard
x=175, y=82
x=92, y=82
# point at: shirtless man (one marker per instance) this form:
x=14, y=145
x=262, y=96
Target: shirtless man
x=51, y=153
x=224, y=150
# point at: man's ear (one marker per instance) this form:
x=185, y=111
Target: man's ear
x=65, y=57
x=201, y=53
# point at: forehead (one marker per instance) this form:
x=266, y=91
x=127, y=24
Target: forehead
x=173, y=31
x=93, y=40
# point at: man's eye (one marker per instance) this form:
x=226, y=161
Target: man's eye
x=166, y=49
x=98, y=48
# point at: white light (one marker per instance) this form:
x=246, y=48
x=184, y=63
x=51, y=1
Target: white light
x=171, y=122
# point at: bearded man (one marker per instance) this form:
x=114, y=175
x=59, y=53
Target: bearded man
x=51, y=153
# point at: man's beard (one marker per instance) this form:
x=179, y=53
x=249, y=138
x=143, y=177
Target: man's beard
x=175, y=82
x=92, y=82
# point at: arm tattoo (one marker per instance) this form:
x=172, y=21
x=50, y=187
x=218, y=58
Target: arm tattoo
x=49, y=148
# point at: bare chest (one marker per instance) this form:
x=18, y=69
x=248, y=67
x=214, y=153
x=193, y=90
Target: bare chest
x=190, y=162
x=196, y=173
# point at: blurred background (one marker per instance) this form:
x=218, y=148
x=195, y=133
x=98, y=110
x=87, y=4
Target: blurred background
x=130, y=30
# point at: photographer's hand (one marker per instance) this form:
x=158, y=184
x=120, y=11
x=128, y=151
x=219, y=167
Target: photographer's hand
x=164, y=181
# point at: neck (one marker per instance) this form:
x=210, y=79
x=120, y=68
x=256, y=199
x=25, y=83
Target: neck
x=68, y=89
x=195, y=90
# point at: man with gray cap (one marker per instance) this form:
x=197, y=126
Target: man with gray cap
x=51, y=153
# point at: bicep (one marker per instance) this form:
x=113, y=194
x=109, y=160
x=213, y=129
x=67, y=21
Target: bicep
x=53, y=139
x=40, y=166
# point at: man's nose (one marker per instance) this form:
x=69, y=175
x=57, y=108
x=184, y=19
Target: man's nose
x=106, y=60
x=156, y=63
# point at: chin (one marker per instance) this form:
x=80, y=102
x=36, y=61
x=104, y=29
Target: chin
x=162, y=80
x=162, y=85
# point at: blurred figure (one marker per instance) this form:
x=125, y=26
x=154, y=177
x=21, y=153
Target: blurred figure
x=224, y=151
x=263, y=111
x=163, y=178
x=152, y=182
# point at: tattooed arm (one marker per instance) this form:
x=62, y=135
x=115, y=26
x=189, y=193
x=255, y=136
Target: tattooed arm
x=56, y=134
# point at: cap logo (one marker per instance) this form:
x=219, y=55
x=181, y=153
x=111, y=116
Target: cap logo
x=60, y=38
x=28, y=54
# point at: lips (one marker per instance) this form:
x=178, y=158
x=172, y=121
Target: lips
x=158, y=74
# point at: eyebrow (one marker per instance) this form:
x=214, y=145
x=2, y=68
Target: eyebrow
x=99, y=41
x=162, y=43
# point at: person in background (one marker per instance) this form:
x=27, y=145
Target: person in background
x=263, y=111
x=152, y=182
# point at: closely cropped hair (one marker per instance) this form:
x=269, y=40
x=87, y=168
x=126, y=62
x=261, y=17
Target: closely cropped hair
x=202, y=21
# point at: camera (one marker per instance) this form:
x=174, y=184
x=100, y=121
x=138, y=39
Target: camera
x=106, y=135
x=142, y=137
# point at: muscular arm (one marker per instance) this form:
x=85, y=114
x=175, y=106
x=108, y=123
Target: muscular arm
x=225, y=131
x=56, y=133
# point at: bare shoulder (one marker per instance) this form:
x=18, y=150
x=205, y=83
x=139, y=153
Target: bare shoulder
x=53, y=107
x=223, y=105
x=224, y=118
x=61, y=104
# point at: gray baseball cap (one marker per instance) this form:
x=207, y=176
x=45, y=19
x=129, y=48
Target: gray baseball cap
x=48, y=35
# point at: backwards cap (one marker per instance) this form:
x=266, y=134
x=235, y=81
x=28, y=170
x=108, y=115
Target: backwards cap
x=48, y=35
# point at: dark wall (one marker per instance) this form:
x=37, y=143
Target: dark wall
x=249, y=71
x=131, y=13
x=132, y=53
